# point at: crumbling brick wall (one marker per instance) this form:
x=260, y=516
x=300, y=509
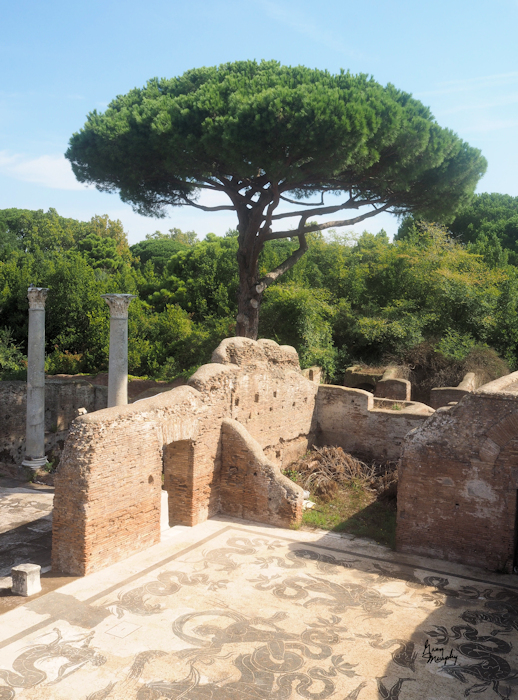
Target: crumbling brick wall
x=107, y=500
x=458, y=480
x=359, y=423
x=252, y=487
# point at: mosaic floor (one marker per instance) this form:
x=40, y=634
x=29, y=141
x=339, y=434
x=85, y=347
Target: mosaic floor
x=235, y=611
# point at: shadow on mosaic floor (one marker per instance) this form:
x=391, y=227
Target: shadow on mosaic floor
x=30, y=542
x=258, y=615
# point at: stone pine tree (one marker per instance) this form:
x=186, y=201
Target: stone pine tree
x=270, y=138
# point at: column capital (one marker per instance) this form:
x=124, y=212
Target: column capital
x=118, y=304
x=37, y=297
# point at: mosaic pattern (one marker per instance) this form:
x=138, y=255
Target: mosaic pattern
x=243, y=617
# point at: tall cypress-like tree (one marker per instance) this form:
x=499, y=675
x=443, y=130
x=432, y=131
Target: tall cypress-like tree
x=265, y=135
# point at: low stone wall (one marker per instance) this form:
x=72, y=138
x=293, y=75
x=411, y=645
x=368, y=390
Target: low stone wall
x=458, y=481
x=314, y=374
x=443, y=395
x=372, y=428
x=393, y=389
x=393, y=386
x=108, y=485
x=219, y=442
x=358, y=377
x=252, y=486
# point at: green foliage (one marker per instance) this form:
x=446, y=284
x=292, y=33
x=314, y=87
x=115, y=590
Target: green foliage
x=301, y=317
x=13, y=362
x=304, y=127
x=202, y=279
x=455, y=346
x=100, y=252
x=359, y=299
x=174, y=234
x=157, y=251
x=487, y=225
x=261, y=133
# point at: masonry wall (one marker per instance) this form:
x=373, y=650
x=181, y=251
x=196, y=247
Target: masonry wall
x=107, y=499
x=458, y=481
x=62, y=399
x=252, y=486
x=109, y=481
x=354, y=420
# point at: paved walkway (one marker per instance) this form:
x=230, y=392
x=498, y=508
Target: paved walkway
x=231, y=610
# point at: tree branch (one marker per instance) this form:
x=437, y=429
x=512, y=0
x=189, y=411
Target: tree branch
x=302, y=204
x=222, y=207
x=350, y=204
x=268, y=279
x=328, y=224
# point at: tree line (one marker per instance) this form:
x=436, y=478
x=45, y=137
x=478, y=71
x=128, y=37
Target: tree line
x=349, y=298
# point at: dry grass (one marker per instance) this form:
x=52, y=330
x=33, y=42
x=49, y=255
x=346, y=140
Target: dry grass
x=350, y=495
x=326, y=470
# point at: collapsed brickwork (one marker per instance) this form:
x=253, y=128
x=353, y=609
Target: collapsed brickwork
x=219, y=443
x=458, y=481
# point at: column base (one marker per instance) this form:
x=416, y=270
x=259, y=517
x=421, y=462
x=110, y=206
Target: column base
x=36, y=463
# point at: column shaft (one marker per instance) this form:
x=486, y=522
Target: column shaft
x=35, y=426
x=118, y=363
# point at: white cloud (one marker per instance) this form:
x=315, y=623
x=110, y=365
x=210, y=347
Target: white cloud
x=50, y=171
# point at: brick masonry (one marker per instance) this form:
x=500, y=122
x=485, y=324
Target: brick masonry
x=219, y=442
x=359, y=423
x=458, y=480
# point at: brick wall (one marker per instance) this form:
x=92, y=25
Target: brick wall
x=458, y=480
x=108, y=485
x=220, y=441
x=354, y=420
x=252, y=486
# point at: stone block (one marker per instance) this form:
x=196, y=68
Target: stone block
x=26, y=579
x=395, y=389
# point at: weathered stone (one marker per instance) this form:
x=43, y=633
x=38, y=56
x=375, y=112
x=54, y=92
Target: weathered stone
x=457, y=493
x=359, y=423
x=35, y=424
x=118, y=362
x=26, y=579
x=63, y=398
x=108, y=487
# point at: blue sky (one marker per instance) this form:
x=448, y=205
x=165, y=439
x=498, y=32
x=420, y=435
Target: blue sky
x=59, y=60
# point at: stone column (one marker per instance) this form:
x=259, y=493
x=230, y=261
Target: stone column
x=118, y=365
x=35, y=430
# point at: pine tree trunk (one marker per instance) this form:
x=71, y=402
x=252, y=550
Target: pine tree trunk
x=248, y=302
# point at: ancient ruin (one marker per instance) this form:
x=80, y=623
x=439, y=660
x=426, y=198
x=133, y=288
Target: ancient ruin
x=219, y=443
x=458, y=481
